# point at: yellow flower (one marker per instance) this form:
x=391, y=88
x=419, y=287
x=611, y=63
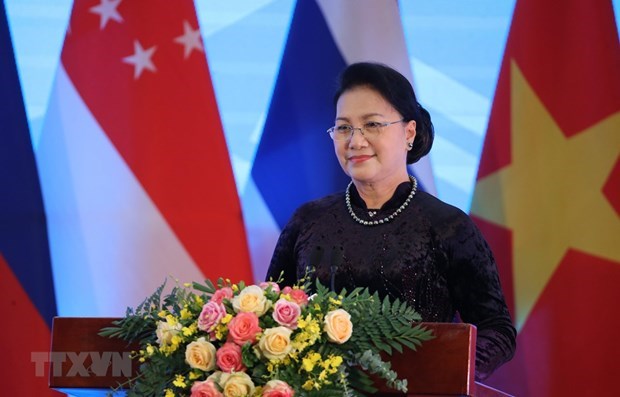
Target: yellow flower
x=179, y=381
x=308, y=385
x=312, y=358
x=307, y=365
x=193, y=375
x=191, y=330
x=176, y=340
x=162, y=314
x=226, y=319
x=331, y=364
x=185, y=314
x=220, y=330
x=169, y=393
x=310, y=334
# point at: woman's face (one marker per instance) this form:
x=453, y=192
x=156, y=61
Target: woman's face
x=371, y=159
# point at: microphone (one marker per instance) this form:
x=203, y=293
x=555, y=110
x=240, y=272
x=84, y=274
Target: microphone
x=335, y=262
x=315, y=261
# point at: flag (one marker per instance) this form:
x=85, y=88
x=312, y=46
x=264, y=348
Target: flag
x=295, y=160
x=27, y=297
x=548, y=196
x=135, y=170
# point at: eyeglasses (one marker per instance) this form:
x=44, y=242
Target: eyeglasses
x=369, y=130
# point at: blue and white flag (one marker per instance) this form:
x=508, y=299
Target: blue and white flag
x=295, y=162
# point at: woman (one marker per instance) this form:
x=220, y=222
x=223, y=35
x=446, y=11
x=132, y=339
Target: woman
x=384, y=233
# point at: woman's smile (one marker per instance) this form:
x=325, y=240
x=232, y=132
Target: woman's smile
x=360, y=158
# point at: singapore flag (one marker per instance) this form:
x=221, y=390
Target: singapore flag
x=136, y=176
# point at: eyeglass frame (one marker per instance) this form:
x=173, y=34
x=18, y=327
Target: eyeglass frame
x=352, y=129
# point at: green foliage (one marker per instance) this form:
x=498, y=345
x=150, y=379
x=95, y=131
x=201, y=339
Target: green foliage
x=139, y=323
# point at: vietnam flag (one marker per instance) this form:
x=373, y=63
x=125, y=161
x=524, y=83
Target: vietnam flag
x=136, y=175
x=548, y=197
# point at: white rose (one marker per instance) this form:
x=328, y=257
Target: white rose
x=165, y=331
x=251, y=299
x=200, y=354
x=275, y=343
x=236, y=384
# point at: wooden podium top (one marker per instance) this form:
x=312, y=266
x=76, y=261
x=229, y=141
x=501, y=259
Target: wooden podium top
x=86, y=364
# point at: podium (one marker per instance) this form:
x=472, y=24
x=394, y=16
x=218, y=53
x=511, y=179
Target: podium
x=82, y=363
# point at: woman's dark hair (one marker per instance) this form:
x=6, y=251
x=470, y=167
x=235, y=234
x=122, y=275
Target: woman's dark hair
x=397, y=90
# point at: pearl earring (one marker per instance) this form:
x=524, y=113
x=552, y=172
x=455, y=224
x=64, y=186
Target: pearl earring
x=410, y=144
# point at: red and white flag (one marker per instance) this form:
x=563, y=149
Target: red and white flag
x=136, y=174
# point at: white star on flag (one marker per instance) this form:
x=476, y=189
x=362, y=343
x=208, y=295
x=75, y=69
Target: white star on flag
x=141, y=59
x=107, y=10
x=190, y=39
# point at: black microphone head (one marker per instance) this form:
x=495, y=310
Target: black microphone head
x=316, y=256
x=337, y=256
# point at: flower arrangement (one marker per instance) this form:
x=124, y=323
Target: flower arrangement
x=235, y=340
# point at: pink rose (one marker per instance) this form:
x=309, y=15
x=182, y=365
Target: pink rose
x=205, y=389
x=286, y=313
x=221, y=294
x=297, y=295
x=274, y=286
x=244, y=328
x=210, y=316
x=229, y=358
x=278, y=388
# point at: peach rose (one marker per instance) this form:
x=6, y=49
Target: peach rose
x=221, y=294
x=244, y=328
x=251, y=299
x=228, y=358
x=277, y=388
x=205, y=389
x=276, y=343
x=338, y=326
x=286, y=313
x=237, y=384
x=298, y=296
x=210, y=316
x=200, y=354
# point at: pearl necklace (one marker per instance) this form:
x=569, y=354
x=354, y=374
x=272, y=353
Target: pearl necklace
x=347, y=199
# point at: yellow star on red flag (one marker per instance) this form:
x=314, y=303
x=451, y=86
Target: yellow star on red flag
x=551, y=195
